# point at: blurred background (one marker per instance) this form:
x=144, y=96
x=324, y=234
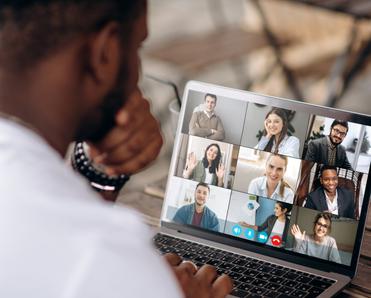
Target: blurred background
x=317, y=51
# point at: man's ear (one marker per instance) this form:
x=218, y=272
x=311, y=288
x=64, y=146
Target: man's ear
x=103, y=61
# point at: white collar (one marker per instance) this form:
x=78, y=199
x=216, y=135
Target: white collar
x=207, y=114
x=334, y=203
x=263, y=187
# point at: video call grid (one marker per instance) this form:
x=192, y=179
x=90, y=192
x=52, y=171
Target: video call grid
x=302, y=157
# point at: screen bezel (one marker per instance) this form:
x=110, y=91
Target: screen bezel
x=280, y=253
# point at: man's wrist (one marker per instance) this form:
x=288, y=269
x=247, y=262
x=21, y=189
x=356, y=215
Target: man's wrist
x=99, y=180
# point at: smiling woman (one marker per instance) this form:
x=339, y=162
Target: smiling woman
x=209, y=169
x=272, y=185
x=275, y=138
x=319, y=244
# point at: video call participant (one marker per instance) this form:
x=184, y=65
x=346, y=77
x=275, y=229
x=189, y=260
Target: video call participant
x=330, y=197
x=68, y=70
x=276, y=224
x=319, y=244
x=197, y=213
x=209, y=170
x=272, y=185
x=275, y=138
x=206, y=123
x=328, y=150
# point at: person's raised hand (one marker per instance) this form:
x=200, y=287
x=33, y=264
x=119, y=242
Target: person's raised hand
x=199, y=283
x=191, y=161
x=295, y=231
x=133, y=143
x=220, y=170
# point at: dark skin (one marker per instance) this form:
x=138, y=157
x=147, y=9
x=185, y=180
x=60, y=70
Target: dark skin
x=329, y=181
x=60, y=94
x=203, y=282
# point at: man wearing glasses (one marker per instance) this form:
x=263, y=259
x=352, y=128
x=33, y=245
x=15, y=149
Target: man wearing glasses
x=328, y=150
x=330, y=197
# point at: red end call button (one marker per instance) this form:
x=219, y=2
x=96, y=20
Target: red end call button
x=276, y=240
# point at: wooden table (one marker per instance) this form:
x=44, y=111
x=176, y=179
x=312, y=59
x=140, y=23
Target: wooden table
x=151, y=206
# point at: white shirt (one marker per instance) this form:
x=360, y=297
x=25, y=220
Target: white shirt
x=332, y=206
x=258, y=186
x=327, y=250
x=208, y=176
x=278, y=227
x=289, y=145
x=59, y=239
x=209, y=115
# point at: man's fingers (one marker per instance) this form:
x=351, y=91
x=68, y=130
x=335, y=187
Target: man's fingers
x=207, y=273
x=114, y=138
x=189, y=266
x=123, y=133
x=222, y=286
x=126, y=151
x=138, y=160
x=173, y=259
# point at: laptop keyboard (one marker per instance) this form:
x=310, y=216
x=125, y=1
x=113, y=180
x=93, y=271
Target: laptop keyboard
x=251, y=277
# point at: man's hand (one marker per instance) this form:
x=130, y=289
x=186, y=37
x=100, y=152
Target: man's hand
x=133, y=143
x=200, y=283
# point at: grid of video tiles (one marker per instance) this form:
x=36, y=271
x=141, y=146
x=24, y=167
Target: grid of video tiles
x=283, y=178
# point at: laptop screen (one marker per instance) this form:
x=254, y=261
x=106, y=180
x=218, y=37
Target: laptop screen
x=280, y=173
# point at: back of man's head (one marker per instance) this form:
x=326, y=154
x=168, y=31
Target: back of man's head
x=30, y=30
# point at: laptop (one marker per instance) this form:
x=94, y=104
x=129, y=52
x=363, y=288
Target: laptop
x=271, y=191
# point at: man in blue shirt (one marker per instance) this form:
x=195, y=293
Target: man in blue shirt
x=198, y=213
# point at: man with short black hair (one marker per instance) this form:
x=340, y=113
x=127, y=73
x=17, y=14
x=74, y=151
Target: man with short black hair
x=206, y=123
x=328, y=150
x=197, y=213
x=69, y=71
x=330, y=197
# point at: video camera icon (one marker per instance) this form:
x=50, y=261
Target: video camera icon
x=262, y=237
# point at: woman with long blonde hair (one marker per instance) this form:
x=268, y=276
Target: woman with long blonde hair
x=272, y=184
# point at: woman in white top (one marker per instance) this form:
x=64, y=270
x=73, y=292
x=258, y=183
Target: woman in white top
x=275, y=225
x=319, y=244
x=272, y=185
x=275, y=138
